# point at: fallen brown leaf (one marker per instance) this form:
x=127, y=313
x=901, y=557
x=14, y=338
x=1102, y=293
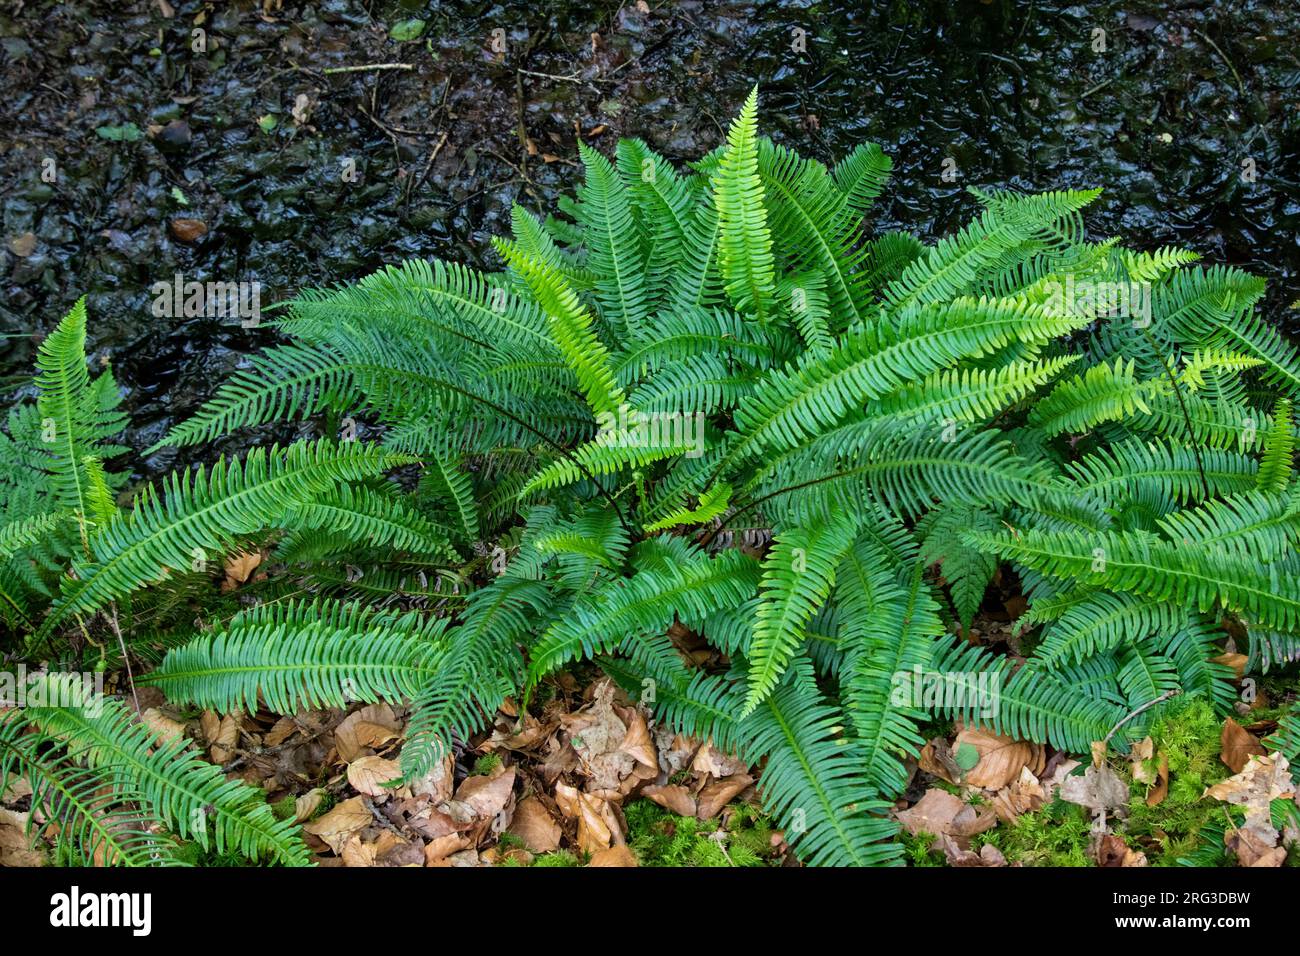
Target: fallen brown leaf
x=371, y=726
x=1023, y=796
x=618, y=855
x=533, y=824
x=369, y=774
x=939, y=812
x=1100, y=788
x=1161, y=789
x=340, y=823
x=164, y=728
x=989, y=855
x=718, y=793
x=672, y=797
x=1237, y=745
x=1000, y=760
x=239, y=567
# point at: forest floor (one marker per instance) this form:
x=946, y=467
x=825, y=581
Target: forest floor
x=586, y=777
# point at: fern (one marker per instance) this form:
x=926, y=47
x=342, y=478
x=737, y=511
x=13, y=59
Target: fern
x=879, y=429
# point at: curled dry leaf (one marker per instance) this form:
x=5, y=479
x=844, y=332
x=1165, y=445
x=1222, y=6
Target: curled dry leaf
x=369, y=774
x=284, y=728
x=533, y=824
x=936, y=758
x=1237, y=745
x=1023, y=796
x=437, y=783
x=1000, y=758
x=709, y=759
x=1139, y=755
x=239, y=568
x=371, y=726
x=164, y=728
x=598, y=825
x=307, y=804
x=221, y=734
x=718, y=793
x=1263, y=780
x=437, y=850
x=488, y=796
x=1100, y=788
x=618, y=855
x=1161, y=789
x=1111, y=851
x=940, y=813
x=989, y=855
x=672, y=797
x=340, y=823
x=1253, y=848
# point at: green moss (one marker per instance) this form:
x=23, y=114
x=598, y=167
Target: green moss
x=1057, y=835
x=920, y=849
x=486, y=764
x=1187, y=732
x=659, y=837
x=558, y=858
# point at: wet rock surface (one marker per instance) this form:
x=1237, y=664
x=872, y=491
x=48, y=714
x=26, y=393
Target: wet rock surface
x=254, y=142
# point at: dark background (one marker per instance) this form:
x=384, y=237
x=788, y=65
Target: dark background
x=1014, y=93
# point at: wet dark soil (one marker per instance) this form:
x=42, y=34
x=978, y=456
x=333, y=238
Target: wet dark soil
x=1188, y=113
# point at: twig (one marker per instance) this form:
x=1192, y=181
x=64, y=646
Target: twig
x=1096, y=89
x=576, y=78
x=1224, y=57
x=523, y=129
x=126, y=657
x=428, y=165
x=368, y=68
x=1147, y=706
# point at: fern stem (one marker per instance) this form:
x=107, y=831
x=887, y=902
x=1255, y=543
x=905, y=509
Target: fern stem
x=1182, y=404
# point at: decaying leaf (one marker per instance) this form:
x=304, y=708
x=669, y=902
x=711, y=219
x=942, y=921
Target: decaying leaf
x=1000, y=758
x=598, y=825
x=1161, y=789
x=618, y=855
x=718, y=793
x=369, y=774
x=371, y=726
x=1237, y=745
x=1023, y=796
x=939, y=812
x=672, y=797
x=239, y=568
x=164, y=728
x=989, y=855
x=340, y=823
x=1098, y=789
x=534, y=825
x=1263, y=780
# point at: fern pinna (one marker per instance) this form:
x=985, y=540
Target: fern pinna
x=678, y=363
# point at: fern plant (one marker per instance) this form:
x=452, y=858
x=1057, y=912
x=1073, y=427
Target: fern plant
x=92, y=576
x=710, y=400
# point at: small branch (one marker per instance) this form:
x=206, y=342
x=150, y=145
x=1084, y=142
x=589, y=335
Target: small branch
x=1147, y=706
x=1224, y=57
x=368, y=68
x=576, y=78
x=126, y=656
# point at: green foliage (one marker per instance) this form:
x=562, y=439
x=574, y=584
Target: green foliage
x=659, y=837
x=711, y=400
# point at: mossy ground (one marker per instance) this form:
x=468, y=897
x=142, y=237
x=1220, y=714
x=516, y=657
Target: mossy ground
x=1184, y=828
